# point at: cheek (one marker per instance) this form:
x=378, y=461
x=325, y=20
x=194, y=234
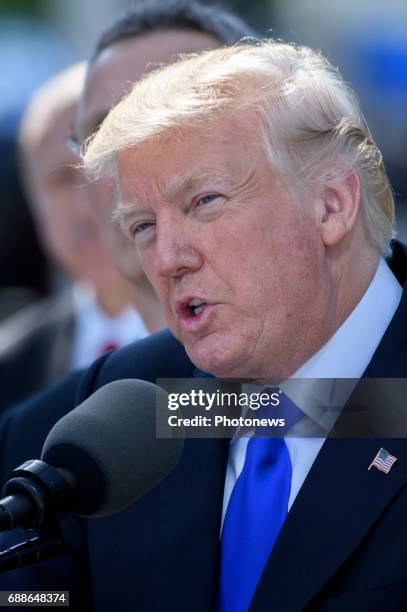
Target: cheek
x=57, y=220
x=163, y=292
x=268, y=268
x=161, y=286
x=248, y=259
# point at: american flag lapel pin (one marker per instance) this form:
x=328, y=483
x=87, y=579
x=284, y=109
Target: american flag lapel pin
x=383, y=461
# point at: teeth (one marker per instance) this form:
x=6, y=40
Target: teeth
x=195, y=302
x=196, y=306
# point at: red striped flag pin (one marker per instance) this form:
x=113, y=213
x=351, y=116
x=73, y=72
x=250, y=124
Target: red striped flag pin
x=383, y=461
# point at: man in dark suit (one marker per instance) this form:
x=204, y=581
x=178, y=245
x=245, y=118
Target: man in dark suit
x=269, y=263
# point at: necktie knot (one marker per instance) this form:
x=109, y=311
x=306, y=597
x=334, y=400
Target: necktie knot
x=281, y=414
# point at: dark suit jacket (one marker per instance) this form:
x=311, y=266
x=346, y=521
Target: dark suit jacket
x=35, y=347
x=343, y=545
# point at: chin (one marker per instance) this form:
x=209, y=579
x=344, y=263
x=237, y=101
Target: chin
x=220, y=361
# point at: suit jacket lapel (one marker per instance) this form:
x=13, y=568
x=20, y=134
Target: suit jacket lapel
x=188, y=525
x=60, y=337
x=321, y=531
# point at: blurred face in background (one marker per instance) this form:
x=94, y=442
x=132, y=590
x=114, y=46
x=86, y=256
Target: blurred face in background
x=60, y=204
x=111, y=75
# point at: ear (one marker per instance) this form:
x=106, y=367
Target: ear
x=341, y=204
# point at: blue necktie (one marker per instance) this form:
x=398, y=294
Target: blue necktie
x=256, y=511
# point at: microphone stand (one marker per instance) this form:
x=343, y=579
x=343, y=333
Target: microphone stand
x=36, y=495
x=46, y=544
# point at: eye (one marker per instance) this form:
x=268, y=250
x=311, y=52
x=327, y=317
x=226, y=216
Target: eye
x=207, y=199
x=140, y=228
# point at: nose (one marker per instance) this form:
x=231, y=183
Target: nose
x=177, y=249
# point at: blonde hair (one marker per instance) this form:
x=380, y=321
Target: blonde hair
x=308, y=119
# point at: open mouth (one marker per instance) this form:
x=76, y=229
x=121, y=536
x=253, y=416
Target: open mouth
x=193, y=308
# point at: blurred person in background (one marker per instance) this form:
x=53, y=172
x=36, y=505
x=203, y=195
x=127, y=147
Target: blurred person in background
x=72, y=328
x=152, y=33
x=24, y=267
x=25, y=273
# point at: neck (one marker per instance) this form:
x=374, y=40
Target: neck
x=113, y=299
x=352, y=279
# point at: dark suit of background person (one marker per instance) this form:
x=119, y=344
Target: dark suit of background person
x=23, y=429
x=46, y=340
x=343, y=545
x=35, y=347
x=24, y=269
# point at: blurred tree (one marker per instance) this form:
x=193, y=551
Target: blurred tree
x=20, y=7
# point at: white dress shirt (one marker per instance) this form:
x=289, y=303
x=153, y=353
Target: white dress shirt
x=345, y=356
x=94, y=328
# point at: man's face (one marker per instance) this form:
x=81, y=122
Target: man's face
x=238, y=267
x=60, y=204
x=110, y=77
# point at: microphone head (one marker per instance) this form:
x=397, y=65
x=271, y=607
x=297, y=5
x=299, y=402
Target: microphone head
x=109, y=443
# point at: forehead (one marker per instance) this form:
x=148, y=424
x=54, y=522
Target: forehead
x=183, y=160
x=125, y=62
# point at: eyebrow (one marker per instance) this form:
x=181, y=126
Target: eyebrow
x=169, y=191
x=183, y=185
x=123, y=211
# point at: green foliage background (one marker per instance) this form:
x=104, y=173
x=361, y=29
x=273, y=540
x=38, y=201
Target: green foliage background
x=20, y=7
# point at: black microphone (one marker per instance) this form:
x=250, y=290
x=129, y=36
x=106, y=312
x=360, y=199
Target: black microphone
x=97, y=460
